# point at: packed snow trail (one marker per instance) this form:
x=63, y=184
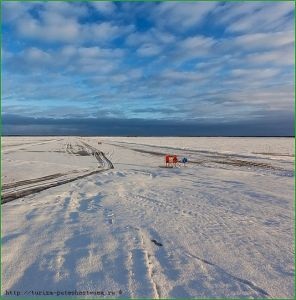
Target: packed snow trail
x=26, y=187
x=147, y=232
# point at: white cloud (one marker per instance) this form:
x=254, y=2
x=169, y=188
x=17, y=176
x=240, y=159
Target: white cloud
x=135, y=73
x=103, y=32
x=255, y=74
x=191, y=48
x=81, y=60
x=151, y=36
x=257, y=17
x=103, y=7
x=36, y=55
x=58, y=29
x=12, y=11
x=65, y=8
x=181, y=15
x=231, y=11
x=282, y=57
x=177, y=76
x=15, y=10
x=53, y=29
x=149, y=50
x=197, y=43
x=260, y=41
x=151, y=43
x=59, y=22
x=93, y=52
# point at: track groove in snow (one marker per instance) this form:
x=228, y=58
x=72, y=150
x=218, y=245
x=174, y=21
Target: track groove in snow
x=150, y=268
x=23, y=188
x=213, y=159
x=244, y=281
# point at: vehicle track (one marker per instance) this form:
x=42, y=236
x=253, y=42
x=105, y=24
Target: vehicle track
x=214, y=159
x=29, y=181
x=23, y=188
x=10, y=196
x=100, y=156
x=262, y=293
x=27, y=145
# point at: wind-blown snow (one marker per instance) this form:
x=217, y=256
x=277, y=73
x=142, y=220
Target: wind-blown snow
x=222, y=226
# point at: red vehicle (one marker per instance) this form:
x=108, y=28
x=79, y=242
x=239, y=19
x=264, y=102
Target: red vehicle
x=171, y=160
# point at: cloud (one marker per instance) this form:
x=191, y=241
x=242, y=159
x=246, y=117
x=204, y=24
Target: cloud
x=103, y=32
x=55, y=22
x=105, y=8
x=67, y=30
x=160, y=110
x=149, y=50
x=72, y=10
x=181, y=16
x=257, y=17
x=150, y=37
x=193, y=47
x=282, y=57
x=255, y=74
x=181, y=76
x=14, y=124
x=81, y=60
x=12, y=11
x=59, y=29
x=35, y=55
x=162, y=61
x=229, y=12
x=260, y=41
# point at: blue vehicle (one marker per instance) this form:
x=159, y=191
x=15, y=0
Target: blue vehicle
x=184, y=160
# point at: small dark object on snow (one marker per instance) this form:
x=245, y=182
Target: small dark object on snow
x=156, y=243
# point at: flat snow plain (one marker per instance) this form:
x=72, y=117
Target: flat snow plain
x=222, y=226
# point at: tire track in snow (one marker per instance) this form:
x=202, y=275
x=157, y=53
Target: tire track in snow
x=241, y=280
x=28, y=190
x=7, y=197
x=29, y=181
x=27, y=145
x=100, y=156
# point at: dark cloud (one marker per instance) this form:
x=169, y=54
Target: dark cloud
x=160, y=110
x=274, y=125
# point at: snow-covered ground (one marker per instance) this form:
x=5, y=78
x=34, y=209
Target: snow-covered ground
x=222, y=226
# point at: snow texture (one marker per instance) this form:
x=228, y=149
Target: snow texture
x=220, y=226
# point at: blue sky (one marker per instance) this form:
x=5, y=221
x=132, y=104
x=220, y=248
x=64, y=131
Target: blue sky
x=169, y=68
